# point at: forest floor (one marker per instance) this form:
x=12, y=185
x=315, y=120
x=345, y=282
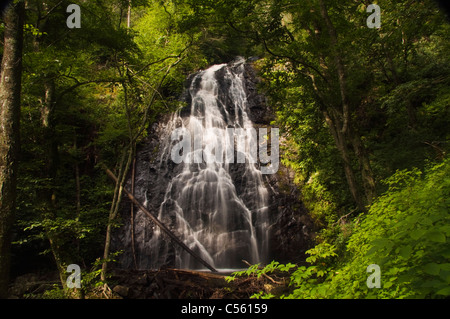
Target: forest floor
x=155, y=284
x=187, y=284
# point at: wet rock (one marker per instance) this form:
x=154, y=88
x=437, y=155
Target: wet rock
x=291, y=229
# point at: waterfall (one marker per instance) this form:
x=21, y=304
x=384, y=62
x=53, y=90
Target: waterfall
x=217, y=207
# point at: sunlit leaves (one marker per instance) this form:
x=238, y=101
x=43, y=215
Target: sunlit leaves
x=405, y=232
x=412, y=230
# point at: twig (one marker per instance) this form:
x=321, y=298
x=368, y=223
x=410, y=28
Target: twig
x=106, y=288
x=433, y=145
x=344, y=217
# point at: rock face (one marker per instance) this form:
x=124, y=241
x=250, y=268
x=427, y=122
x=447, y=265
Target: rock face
x=292, y=230
x=279, y=222
x=260, y=112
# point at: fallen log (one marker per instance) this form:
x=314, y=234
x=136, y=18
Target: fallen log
x=161, y=225
x=198, y=273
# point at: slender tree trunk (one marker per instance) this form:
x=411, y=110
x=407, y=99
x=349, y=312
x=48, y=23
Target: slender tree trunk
x=338, y=121
x=340, y=142
x=133, y=249
x=124, y=167
x=339, y=67
x=365, y=167
x=48, y=195
x=129, y=14
x=123, y=171
x=78, y=187
x=78, y=198
x=49, y=127
x=10, y=90
x=58, y=260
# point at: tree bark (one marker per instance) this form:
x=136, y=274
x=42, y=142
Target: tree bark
x=49, y=126
x=133, y=249
x=340, y=142
x=10, y=91
x=129, y=15
x=339, y=67
x=365, y=167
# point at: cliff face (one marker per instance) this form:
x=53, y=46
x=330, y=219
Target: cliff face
x=289, y=229
x=292, y=230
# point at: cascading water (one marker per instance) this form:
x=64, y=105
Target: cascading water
x=219, y=209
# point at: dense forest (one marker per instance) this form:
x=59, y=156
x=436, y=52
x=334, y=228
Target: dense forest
x=364, y=113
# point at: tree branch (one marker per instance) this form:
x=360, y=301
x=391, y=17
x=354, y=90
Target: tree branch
x=78, y=84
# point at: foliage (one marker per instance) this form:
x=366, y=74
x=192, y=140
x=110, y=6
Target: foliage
x=91, y=280
x=55, y=293
x=255, y=270
x=405, y=232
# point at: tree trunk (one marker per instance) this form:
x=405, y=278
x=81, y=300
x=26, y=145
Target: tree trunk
x=345, y=133
x=129, y=15
x=133, y=250
x=118, y=191
x=49, y=127
x=58, y=260
x=341, y=145
x=78, y=198
x=339, y=67
x=48, y=194
x=10, y=90
x=365, y=167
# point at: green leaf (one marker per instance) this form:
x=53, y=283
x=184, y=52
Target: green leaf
x=436, y=236
x=381, y=244
x=286, y=267
x=426, y=221
x=311, y=259
x=388, y=284
x=418, y=233
x=405, y=251
x=446, y=253
x=372, y=250
x=444, y=291
x=432, y=269
x=432, y=284
x=445, y=229
x=445, y=266
x=445, y=276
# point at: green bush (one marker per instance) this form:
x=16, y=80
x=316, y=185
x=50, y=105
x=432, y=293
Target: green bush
x=405, y=233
